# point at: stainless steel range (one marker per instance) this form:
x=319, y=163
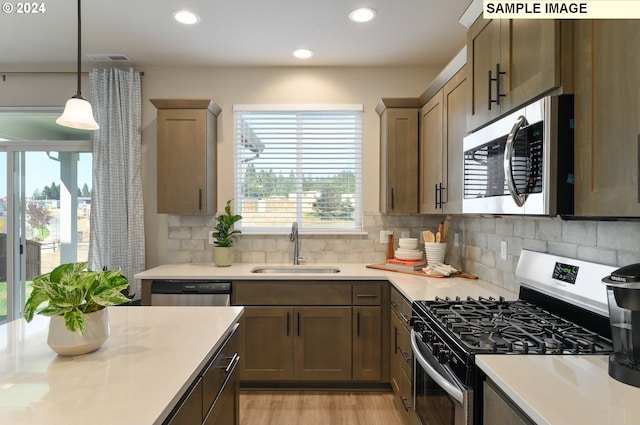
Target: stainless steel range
x=561, y=309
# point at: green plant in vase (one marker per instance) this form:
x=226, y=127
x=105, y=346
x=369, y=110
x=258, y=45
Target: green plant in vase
x=224, y=234
x=76, y=299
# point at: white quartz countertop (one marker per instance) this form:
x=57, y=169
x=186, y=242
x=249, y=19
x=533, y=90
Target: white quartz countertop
x=412, y=287
x=564, y=390
x=136, y=377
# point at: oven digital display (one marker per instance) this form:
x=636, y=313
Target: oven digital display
x=565, y=272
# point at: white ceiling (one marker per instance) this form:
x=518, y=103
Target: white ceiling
x=235, y=33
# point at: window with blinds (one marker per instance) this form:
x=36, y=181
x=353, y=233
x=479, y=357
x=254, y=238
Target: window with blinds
x=298, y=163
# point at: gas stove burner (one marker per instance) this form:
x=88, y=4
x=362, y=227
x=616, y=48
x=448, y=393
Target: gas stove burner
x=488, y=325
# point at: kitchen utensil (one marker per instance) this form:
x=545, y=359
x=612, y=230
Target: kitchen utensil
x=428, y=236
x=440, y=229
x=438, y=237
x=445, y=229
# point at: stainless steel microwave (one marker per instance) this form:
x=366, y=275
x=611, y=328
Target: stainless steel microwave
x=522, y=163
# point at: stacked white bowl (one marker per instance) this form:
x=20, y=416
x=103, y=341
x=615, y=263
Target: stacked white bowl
x=407, y=249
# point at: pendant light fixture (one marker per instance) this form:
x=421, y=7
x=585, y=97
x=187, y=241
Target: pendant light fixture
x=77, y=112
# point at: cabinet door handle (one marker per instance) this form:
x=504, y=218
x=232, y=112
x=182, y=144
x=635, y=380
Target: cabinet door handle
x=439, y=189
x=497, y=81
x=489, y=82
x=199, y=199
x=498, y=74
x=298, y=323
x=393, y=200
x=358, y=330
x=288, y=323
x=395, y=342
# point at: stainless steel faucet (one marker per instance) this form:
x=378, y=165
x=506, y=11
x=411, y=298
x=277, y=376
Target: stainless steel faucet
x=293, y=237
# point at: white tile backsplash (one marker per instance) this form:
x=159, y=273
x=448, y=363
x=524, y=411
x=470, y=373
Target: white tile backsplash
x=607, y=242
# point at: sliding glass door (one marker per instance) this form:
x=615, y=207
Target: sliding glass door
x=45, y=202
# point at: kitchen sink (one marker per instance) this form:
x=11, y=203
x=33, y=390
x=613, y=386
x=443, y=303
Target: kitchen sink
x=295, y=269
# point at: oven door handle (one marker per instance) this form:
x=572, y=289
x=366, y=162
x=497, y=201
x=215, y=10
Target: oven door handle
x=445, y=384
x=519, y=198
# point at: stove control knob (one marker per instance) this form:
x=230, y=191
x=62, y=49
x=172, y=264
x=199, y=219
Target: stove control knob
x=418, y=326
x=426, y=336
x=444, y=356
x=435, y=348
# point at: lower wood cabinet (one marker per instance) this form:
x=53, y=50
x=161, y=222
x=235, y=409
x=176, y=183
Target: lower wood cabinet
x=367, y=340
x=297, y=343
x=313, y=331
x=213, y=397
x=401, y=357
x=499, y=409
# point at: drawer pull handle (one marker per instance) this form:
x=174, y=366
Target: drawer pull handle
x=232, y=362
x=405, y=318
x=405, y=356
x=366, y=296
x=404, y=404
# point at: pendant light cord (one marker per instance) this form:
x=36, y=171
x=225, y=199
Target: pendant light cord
x=79, y=94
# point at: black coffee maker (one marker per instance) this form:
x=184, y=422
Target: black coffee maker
x=623, y=292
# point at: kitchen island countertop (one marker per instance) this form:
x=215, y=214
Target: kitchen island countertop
x=564, y=390
x=136, y=377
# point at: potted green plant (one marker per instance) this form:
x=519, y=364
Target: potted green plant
x=76, y=299
x=223, y=236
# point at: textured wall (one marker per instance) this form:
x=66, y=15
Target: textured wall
x=478, y=251
x=188, y=241
x=605, y=242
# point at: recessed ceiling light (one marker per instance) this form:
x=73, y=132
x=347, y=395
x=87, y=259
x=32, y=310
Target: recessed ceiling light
x=302, y=53
x=186, y=17
x=363, y=14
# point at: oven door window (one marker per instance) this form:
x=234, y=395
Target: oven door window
x=433, y=405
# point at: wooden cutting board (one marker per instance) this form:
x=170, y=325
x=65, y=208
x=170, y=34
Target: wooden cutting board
x=420, y=272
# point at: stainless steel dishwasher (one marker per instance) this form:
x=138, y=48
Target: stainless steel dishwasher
x=182, y=292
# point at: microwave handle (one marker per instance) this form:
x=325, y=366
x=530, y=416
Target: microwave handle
x=518, y=198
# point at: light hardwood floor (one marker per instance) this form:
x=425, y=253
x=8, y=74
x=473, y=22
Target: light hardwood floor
x=311, y=407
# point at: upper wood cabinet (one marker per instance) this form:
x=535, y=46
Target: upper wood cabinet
x=431, y=158
x=398, y=156
x=186, y=156
x=513, y=61
x=442, y=129
x=607, y=114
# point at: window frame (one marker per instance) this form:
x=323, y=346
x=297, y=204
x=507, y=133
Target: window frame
x=358, y=222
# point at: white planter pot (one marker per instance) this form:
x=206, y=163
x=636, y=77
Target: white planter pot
x=67, y=343
x=222, y=256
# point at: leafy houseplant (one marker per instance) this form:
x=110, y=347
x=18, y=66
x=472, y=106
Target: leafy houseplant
x=74, y=292
x=224, y=234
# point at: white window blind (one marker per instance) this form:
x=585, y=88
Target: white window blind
x=298, y=163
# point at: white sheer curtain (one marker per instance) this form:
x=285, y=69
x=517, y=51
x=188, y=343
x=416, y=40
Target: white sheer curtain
x=117, y=215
